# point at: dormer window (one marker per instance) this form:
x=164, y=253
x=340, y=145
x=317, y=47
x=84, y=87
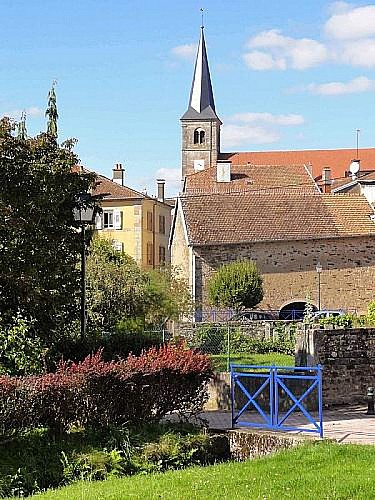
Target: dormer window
x=199, y=136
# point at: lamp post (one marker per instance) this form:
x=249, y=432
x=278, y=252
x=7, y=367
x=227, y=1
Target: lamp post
x=319, y=269
x=83, y=215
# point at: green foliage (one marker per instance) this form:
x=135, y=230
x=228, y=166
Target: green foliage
x=308, y=311
x=371, y=313
x=36, y=460
x=121, y=297
x=39, y=247
x=21, y=352
x=115, y=287
x=237, y=285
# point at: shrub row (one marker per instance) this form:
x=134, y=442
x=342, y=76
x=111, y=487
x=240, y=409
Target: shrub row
x=98, y=393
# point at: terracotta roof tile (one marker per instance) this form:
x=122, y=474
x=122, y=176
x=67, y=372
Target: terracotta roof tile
x=263, y=216
x=337, y=159
x=340, y=183
x=113, y=191
x=252, y=177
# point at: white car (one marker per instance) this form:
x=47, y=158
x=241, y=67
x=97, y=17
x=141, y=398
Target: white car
x=327, y=314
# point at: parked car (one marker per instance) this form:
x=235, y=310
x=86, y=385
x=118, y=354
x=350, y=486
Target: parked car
x=327, y=314
x=249, y=315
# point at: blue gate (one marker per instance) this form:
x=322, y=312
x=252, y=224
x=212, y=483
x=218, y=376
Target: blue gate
x=262, y=405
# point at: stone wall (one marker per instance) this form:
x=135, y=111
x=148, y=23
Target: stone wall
x=348, y=359
x=288, y=269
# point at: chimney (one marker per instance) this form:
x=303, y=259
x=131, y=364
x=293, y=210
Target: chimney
x=223, y=171
x=118, y=174
x=161, y=184
x=326, y=180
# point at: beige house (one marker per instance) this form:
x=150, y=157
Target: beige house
x=134, y=222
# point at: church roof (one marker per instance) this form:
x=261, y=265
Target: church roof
x=338, y=160
x=252, y=177
x=201, y=103
x=217, y=219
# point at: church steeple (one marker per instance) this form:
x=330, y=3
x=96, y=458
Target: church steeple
x=201, y=103
x=200, y=123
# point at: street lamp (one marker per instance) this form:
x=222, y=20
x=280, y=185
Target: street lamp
x=83, y=213
x=319, y=269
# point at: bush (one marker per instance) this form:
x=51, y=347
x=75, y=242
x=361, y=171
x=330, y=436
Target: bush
x=36, y=460
x=236, y=285
x=98, y=393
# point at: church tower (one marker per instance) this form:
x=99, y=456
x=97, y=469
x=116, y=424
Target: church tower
x=200, y=124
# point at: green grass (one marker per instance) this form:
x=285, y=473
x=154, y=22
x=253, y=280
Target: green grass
x=219, y=361
x=312, y=472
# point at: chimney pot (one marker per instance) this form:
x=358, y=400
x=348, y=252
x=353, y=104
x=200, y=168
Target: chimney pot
x=161, y=194
x=326, y=180
x=118, y=174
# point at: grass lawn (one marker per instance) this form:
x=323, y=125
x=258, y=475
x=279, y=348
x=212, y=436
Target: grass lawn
x=312, y=472
x=219, y=361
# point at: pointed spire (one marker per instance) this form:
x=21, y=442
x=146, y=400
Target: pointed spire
x=201, y=104
x=21, y=127
x=51, y=112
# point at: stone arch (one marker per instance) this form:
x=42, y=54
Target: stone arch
x=294, y=310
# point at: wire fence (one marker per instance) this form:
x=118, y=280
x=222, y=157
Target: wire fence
x=228, y=342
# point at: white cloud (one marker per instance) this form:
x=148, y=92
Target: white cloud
x=237, y=135
x=284, y=51
x=186, y=51
x=359, y=53
x=357, y=85
x=32, y=112
x=285, y=120
x=262, y=61
x=352, y=23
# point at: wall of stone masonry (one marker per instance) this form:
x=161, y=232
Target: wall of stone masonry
x=288, y=268
x=348, y=359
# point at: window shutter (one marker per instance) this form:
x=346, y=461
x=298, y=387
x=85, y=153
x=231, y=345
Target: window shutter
x=117, y=219
x=98, y=221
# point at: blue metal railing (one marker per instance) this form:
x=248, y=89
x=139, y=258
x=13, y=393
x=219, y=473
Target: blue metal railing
x=272, y=382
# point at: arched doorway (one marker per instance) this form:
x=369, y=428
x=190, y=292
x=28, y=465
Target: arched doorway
x=294, y=310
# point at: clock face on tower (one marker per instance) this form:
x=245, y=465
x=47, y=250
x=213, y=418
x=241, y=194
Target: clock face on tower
x=198, y=165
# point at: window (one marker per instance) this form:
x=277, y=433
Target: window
x=108, y=219
x=150, y=222
x=112, y=219
x=161, y=255
x=161, y=224
x=150, y=254
x=199, y=136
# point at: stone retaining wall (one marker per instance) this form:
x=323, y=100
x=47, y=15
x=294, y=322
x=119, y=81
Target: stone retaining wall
x=348, y=359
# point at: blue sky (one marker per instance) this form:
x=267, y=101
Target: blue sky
x=291, y=75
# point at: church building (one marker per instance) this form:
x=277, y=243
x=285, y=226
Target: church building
x=279, y=209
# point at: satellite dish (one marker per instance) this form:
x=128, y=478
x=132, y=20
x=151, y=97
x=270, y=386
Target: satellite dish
x=354, y=167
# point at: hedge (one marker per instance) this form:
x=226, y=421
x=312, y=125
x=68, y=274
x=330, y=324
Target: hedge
x=99, y=393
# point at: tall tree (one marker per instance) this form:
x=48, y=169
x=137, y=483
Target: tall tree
x=21, y=127
x=39, y=246
x=52, y=113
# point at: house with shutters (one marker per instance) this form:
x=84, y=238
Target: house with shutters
x=134, y=222
x=276, y=208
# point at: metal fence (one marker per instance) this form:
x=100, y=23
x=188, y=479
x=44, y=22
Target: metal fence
x=228, y=341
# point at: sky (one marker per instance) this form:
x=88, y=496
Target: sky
x=286, y=75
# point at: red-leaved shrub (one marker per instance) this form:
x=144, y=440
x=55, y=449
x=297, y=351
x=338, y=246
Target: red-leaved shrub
x=94, y=392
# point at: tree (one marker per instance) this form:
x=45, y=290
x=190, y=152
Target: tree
x=52, y=113
x=39, y=246
x=115, y=287
x=118, y=291
x=237, y=285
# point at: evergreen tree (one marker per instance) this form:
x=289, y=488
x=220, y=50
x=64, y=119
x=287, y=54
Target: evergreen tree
x=52, y=113
x=21, y=127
